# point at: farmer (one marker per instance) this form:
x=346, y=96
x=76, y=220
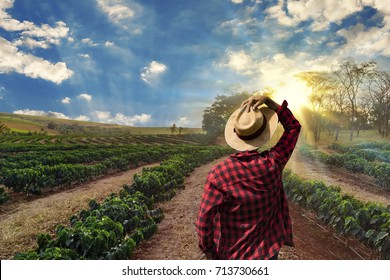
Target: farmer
x=244, y=213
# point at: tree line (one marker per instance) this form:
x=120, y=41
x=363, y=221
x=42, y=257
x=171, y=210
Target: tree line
x=350, y=96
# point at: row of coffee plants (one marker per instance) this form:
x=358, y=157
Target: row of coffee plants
x=151, y=139
x=375, y=145
x=77, y=155
x=22, y=148
x=58, y=169
x=370, y=154
x=352, y=162
x=368, y=222
x=113, y=229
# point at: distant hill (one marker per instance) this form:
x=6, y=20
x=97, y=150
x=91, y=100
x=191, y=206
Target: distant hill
x=23, y=124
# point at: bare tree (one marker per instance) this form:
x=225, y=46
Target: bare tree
x=379, y=98
x=351, y=77
x=338, y=106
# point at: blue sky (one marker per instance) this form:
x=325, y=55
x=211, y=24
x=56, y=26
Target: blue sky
x=154, y=63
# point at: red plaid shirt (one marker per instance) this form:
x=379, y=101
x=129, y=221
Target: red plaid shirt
x=244, y=213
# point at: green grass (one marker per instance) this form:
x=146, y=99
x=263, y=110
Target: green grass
x=25, y=124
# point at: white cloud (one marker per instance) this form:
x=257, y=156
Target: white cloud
x=102, y=115
x=84, y=55
x=85, y=96
x=32, y=36
x=89, y=42
x=82, y=118
x=42, y=114
x=239, y=27
x=124, y=13
x=274, y=71
x=291, y=13
x=117, y=10
x=366, y=41
x=66, y=100
x=127, y=120
x=363, y=41
x=13, y=60
x=183, y=121
x=50, y=114
x=108, y=44
x=119, y=118
x=151, y=73
x=240, y=62
x=237, y=1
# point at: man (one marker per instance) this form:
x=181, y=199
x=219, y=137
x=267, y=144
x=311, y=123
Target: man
x=244, y=212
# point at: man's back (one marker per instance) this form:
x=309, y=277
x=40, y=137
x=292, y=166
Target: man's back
x=244, y=211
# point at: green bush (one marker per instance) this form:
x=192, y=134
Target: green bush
x=368, y=222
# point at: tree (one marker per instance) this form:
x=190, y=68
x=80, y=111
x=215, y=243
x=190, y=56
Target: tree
x=321, y=84
x=379, y=98
x=215, y=116
x=338, y=106
x=351, y=76
x=173, y=128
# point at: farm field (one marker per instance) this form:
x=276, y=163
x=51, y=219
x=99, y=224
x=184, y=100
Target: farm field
x=82, y=204
x=35, y=172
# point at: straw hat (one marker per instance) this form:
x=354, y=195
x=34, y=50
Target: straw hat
x=250, y=130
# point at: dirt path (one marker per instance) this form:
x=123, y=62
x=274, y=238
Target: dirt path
x=176, y=237
x=359, y=186
x=20, y=222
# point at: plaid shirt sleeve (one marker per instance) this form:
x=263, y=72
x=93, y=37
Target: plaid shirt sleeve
x=211, y=199
x=286, y=144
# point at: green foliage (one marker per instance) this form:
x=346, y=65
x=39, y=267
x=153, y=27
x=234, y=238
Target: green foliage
x=4, y=197
x=53, y=253
x=122, y=251
x=112, y=229
x=368, y=222
x=352, y=160
x=215, y=116
x=31, y=172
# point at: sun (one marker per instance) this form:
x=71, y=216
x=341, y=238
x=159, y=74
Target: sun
x=295, y=92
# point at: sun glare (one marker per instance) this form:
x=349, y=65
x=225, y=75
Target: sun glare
x=295, y=92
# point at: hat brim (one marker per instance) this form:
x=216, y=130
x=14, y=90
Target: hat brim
x=247, y=145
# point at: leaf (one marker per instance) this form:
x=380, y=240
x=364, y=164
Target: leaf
x=381, y=235
x=370, y=233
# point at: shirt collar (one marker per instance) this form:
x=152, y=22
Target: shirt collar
x=245, y=154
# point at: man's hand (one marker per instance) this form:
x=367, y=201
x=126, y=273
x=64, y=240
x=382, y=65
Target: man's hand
x=255, y=101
